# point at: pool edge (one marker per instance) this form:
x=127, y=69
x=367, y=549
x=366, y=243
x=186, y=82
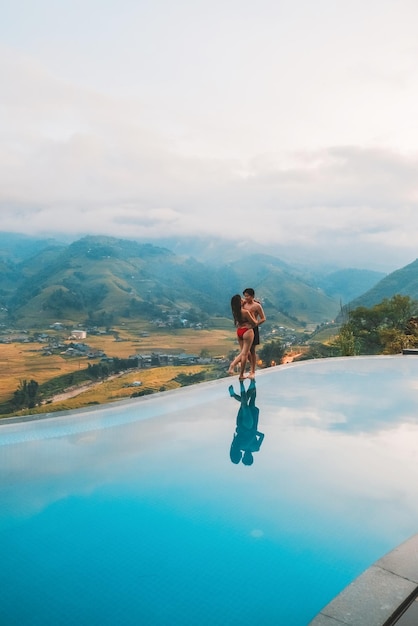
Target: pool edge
x=380, y=594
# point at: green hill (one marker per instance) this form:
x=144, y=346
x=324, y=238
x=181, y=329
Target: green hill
x=284, y=291
x=347, y=284
x=105, y=280
x=403, y=281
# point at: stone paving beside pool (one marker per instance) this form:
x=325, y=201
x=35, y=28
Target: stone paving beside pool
x=384, y=595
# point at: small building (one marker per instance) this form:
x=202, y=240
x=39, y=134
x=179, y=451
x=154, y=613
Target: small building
x=78, y=334
x=186, y=359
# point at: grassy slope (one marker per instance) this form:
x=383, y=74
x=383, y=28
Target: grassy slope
x=116, y=388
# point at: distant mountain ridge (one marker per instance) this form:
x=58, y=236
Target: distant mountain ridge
x=347, y=284
x=106, y=280
x=403, y=281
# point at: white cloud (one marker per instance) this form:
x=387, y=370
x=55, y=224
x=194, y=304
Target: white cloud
x=290, y=123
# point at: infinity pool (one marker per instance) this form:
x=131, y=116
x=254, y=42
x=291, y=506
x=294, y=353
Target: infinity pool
x=134, y=513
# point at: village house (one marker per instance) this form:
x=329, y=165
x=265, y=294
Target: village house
x=78, y=334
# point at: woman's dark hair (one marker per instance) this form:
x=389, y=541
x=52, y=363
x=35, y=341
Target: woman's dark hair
x=236, y=309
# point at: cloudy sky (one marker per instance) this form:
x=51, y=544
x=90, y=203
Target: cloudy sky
x=288, y=122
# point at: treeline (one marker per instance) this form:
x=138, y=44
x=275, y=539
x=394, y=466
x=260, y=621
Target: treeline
x=30, y=393
x=189, y=379
x=183, y=379
x=386, y=328
x=96, y=371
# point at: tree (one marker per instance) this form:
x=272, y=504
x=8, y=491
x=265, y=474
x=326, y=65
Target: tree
x=272, y=352
x=189, y=379
x=346, y=341
x=26, y=395
x=385, y=328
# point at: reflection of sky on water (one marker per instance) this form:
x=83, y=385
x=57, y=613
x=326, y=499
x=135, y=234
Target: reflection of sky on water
x=359, y=394
x=331, y=490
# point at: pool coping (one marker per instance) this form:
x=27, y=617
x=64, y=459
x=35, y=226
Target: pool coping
x=379, y=595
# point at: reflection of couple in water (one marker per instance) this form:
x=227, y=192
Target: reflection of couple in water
x=247, y=439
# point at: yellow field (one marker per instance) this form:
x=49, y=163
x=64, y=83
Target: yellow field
x=19, y=361
x=217, y=342
x=24, y=361
x=116, y=389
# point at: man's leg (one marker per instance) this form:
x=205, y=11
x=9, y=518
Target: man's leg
x=253, y=360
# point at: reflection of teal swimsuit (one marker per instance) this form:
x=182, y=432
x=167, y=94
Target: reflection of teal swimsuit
x=247, y=419
x=241, y=331
x=247, y=438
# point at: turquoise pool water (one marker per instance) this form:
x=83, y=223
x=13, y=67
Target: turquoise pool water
x=134, y=514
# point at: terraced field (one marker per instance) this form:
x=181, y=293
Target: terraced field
x=26, y=361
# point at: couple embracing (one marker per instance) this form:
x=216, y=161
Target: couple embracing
x=248, y=314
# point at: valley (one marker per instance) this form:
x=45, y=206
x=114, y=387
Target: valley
x=139, y=300
x=26, y=357
x=164, y=354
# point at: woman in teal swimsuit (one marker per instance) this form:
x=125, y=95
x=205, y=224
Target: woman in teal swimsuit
x=244, y=321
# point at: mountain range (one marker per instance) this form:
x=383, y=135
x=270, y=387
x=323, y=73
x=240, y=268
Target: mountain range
x=403, y=281
x=105, y=280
